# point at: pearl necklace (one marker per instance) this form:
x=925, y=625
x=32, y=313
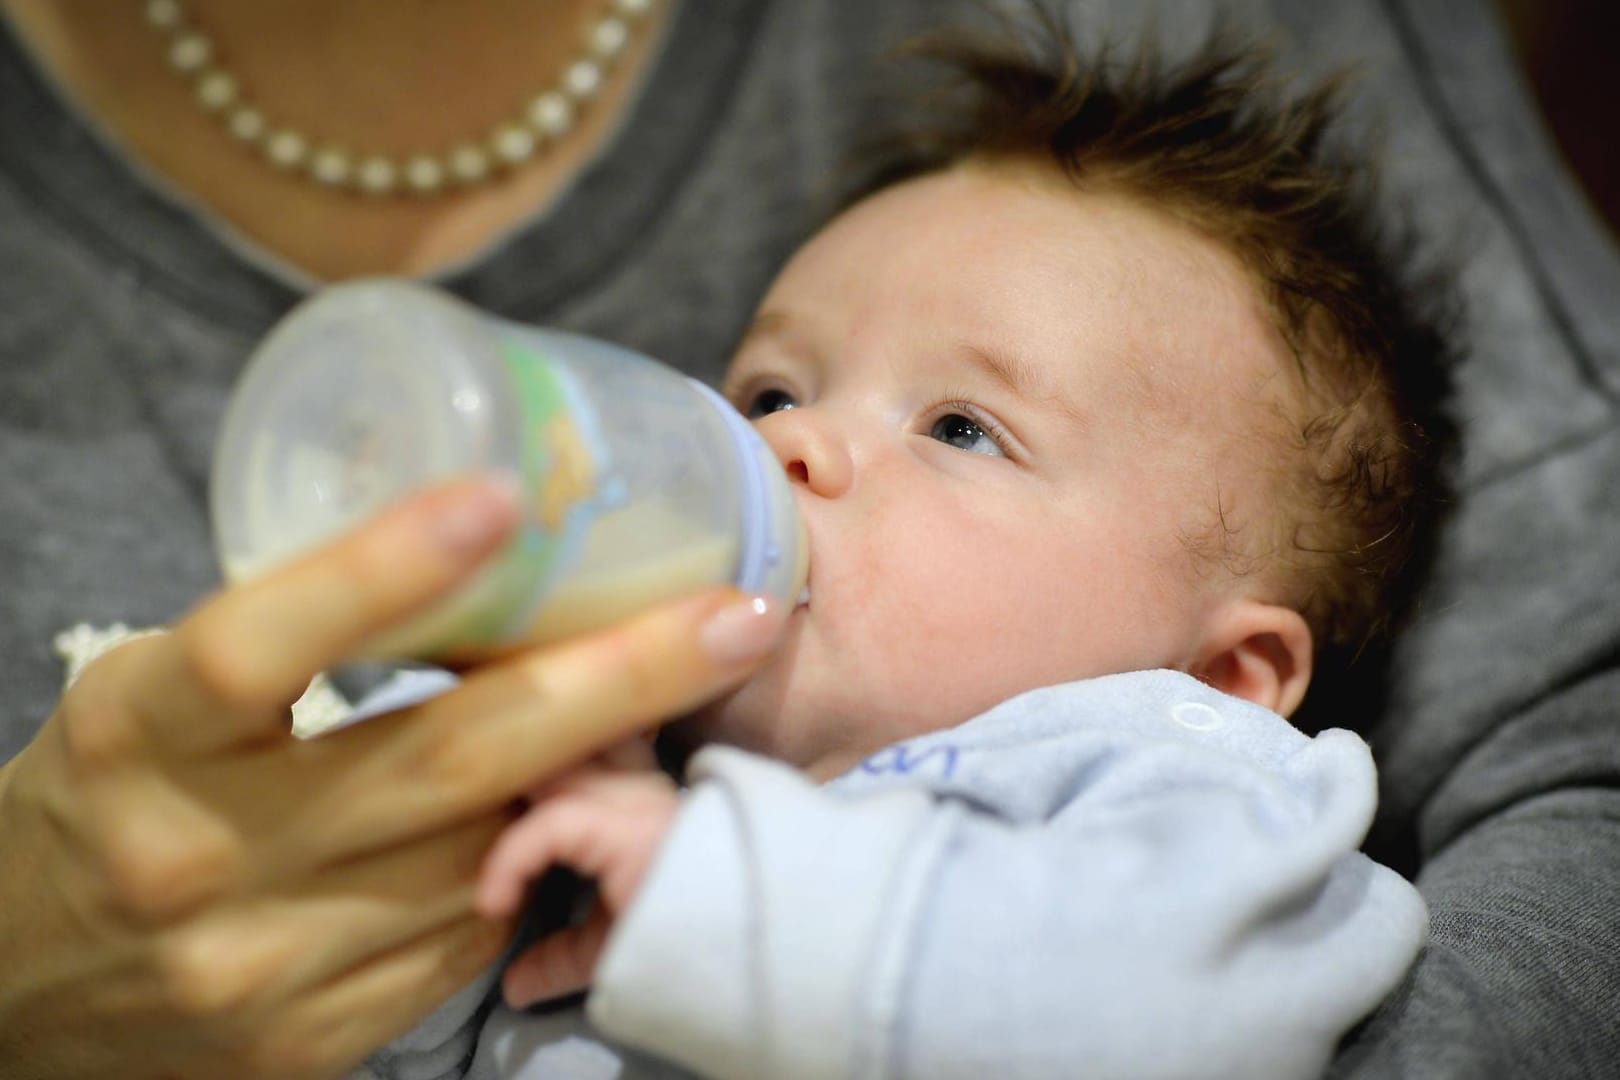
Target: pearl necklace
x=545, y=119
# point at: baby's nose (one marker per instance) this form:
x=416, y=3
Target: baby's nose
x=810, y=450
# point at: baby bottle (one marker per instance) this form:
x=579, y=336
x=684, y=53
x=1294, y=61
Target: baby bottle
x=638, y=483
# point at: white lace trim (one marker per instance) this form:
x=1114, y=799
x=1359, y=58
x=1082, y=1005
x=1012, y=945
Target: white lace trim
x=321, y=707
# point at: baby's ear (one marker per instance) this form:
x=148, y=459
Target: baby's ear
x=1260, y=652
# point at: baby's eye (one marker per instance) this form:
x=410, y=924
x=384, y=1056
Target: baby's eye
x=964, y=433
x=768, y=401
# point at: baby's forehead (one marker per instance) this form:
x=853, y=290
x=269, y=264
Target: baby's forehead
x=1221, y=382
x=1149, y=284
x=1086, y=286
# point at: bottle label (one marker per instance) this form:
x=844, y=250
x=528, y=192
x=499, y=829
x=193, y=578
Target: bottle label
x=563, y=463
x=565, y=460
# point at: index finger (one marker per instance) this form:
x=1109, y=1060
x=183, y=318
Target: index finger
x=239, y=660
x=514, y=723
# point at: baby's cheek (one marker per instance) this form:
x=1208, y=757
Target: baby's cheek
x=985, y=640
x=929, y=676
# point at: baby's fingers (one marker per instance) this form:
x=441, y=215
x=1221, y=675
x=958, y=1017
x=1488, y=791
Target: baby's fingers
x=553, y=831
x=561, y=964
x=601, y=824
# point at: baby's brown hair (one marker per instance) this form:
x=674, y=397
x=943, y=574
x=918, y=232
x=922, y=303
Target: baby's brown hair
x=1219, y=142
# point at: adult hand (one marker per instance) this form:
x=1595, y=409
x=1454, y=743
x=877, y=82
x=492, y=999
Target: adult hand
x=601, y=821
x=186, y=891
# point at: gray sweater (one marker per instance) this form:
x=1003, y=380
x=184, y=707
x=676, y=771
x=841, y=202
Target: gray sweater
x=124, y=319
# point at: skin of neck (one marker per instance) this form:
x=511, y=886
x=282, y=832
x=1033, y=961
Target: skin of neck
x=380, y=76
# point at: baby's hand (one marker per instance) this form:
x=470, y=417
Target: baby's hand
x=603, y=821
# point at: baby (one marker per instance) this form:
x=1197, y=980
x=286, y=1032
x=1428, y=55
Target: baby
x=1108, y=423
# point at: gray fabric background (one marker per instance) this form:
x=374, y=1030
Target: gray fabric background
x=123, y=321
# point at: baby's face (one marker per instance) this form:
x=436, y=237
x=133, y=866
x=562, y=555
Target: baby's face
x=1006, y=407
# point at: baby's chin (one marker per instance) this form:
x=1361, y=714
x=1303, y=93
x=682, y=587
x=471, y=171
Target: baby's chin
x=716, y=722
x=750, y=718
x=821, y=752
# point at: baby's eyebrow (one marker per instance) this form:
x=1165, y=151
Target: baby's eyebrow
x=1024, y=379
x=766, y=324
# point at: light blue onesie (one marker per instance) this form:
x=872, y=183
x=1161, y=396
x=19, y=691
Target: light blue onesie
x=1131, y=876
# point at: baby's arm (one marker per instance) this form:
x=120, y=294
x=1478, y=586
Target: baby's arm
x=1191, y=904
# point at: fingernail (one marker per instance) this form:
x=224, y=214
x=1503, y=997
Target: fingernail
x=476, y=516
x=741, y=631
